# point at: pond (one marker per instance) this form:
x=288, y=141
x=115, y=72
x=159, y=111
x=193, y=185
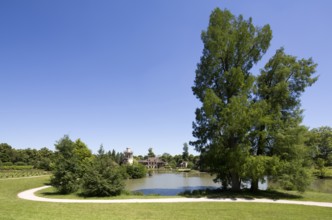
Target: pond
x=169, y=184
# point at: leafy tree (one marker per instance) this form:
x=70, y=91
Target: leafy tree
x=45, y=159
x=320, y=166
x=6, y=153
x=277, y=130
x=178, y=159
x=150, y=152
x=185, y=154
x=138, y=157
x=38, y=158
x=113, y=155
x=28, y=156
x=116, y=156
x=321, y=139
x=166, y=157
x=72, y=159
x=320, y=147
x=247, y=124
x=104, y=177
x=223, y=83
x=136, y=171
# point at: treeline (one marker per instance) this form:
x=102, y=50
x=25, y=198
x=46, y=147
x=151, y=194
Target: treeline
x=174, y=161
x=318, y=143
x=44, y=158
x=192, y=161
x=39, y=159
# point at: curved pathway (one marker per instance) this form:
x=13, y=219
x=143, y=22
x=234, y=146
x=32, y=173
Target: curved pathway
x=29, y=195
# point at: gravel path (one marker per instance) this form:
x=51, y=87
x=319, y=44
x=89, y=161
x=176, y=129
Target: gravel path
x=29, y=195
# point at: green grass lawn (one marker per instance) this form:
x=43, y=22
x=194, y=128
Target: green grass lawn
x=11, y=207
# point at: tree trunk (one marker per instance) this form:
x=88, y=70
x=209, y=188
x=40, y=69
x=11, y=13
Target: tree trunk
x=224, y=184
x=260, y=151
x=254, y=185
x=236, y=183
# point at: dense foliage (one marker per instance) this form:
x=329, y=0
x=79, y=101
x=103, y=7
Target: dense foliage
x=39, y=159
x=176, y=160
x=249, y=126
x=151, y=153
x=76, y=169
x=136, y=171
x=72, y=160
x=103, y=177
x=320, y=146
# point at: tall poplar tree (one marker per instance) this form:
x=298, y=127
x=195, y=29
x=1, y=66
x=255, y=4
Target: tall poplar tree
x=238, y=119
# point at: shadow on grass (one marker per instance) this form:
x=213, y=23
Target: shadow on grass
x=326, y=178
x=51, y=193
x=245, y=194
x=81, y=195
x=198, y=193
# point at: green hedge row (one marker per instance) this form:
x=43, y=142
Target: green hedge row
x=21, y=173
x=15, y=167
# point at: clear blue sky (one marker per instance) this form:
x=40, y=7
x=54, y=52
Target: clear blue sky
x=119, y=73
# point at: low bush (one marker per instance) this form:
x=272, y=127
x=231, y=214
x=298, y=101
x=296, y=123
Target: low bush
x=7, y=164
x=20, y=163
x=136, y=171
x=103, y=178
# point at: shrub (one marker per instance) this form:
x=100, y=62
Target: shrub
x=136, y=171
x=103, y=179
x=65, y=182
x=12, y=167
x=7, y=164
x=20, y=163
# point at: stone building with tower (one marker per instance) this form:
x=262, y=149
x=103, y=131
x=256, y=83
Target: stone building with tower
x=128, y=156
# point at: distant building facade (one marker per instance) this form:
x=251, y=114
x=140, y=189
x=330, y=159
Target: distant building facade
x=153, y=163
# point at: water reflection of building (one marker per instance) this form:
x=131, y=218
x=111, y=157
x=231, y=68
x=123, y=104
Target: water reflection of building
x=128, y=156
x=153, y=163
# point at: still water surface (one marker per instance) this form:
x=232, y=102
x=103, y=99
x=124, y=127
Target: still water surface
x=169, y=184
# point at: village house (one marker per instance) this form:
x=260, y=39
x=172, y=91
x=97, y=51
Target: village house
x=153, y=163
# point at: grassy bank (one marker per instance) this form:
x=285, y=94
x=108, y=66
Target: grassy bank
x=14, y=208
